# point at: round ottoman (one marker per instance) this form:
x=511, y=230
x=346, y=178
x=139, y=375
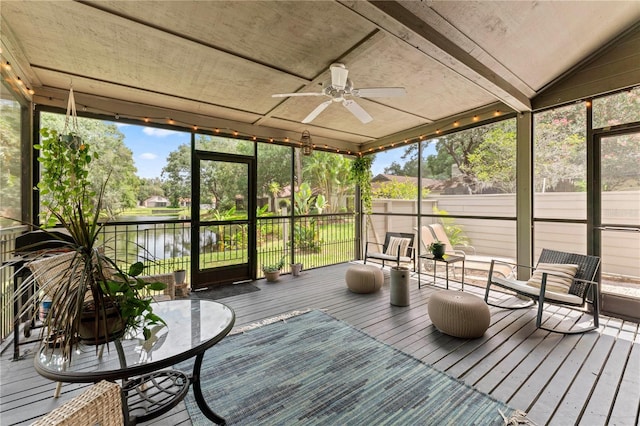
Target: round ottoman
x=459, y=314
x=364, y=278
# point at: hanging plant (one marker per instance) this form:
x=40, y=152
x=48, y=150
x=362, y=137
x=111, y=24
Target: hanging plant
x=361, y=175
x=64, y=180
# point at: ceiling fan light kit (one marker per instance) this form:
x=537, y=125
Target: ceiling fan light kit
x=340, y=89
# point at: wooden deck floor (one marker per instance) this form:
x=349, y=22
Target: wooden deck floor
x=589, y=379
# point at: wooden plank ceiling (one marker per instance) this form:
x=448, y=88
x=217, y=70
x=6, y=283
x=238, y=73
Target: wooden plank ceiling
x=216, y=64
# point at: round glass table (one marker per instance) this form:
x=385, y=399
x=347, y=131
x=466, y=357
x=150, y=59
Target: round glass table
x=150, y=384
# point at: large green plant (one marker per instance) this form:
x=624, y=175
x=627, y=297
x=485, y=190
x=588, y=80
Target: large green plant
x=64, y=184
x=361, y=175
x=89, y=282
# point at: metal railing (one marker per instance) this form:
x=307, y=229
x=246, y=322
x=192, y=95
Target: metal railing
x=165, y=246
x=7, y=245
x=314, y=240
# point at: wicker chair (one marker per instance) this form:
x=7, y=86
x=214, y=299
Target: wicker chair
x=99, y=404
x=169, y=292
x=581, y=289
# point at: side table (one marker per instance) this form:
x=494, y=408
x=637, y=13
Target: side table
x=447, y=259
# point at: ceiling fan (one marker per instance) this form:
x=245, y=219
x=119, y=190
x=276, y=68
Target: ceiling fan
x=340, y=89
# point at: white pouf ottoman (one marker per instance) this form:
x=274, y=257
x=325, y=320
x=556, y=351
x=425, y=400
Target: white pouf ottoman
x=459, y=314
x=364, y=278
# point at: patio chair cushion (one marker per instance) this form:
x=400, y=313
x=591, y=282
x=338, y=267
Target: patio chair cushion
x=524, y=287
x=394, y=243
x=559, y=276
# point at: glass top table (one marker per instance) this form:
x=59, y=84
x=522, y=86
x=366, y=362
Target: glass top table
x=193, y=326
x=447, y=259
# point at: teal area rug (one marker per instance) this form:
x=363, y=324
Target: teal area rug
x=313, y=369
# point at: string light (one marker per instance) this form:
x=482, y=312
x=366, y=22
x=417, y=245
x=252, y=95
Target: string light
x=15, y=80
x=284, y=140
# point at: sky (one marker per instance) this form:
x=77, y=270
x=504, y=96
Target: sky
x=385, y=158
x=151, y=146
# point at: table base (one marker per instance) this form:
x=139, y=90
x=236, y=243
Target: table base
x=152, y=395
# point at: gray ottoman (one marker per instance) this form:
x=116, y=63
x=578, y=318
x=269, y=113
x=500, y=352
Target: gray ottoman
x=459, y=314
x=364, y=278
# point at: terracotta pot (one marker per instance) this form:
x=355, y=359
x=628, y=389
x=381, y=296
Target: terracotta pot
x=272, y=276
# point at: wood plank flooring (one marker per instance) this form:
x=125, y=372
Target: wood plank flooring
x=588, y=379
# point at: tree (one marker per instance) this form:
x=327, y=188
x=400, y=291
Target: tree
x=409, y=167
x=149, y=187
x=493, y=163
x=330, y=174
x=176, y=175
x=398, y=190
x=114, y=160
x=10, y=162
x=274, y=167
x=559, y=147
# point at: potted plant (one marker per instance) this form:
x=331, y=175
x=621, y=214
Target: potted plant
x=437, y=248
x=272, y=271
x=92, y=298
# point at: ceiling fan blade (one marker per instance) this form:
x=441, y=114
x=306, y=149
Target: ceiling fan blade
x=339, y=75
x=309, y=118
x=379, y=92
x=286, y=95
x=357, y=110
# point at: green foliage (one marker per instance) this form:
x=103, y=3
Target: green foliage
x=64, y=184
x=306, y=237
x=67, y=195
x=10, y=160
x=409, y=164
x=148, y=188
x=560, y=147
x=361, y=175
x=302, y=200
x=493, y=163
x=275, y=266
x=129, y=291
x=397, y=190
x=110, y=158
x=329, y=174
x=176, y=175
x=454, y=232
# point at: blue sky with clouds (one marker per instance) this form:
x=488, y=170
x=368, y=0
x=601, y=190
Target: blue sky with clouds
x=151, y=146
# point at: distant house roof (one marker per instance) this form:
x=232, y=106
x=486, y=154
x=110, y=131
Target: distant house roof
x=157, y=198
